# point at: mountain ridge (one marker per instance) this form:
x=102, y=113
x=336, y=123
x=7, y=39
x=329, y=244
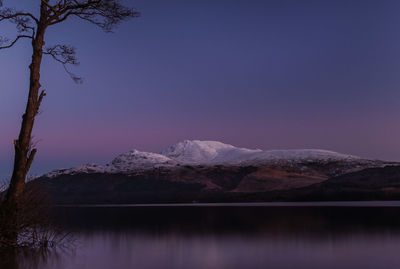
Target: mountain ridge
x=212, y=171
x=196, y=152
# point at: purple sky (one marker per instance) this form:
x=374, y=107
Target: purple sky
x=259, y=74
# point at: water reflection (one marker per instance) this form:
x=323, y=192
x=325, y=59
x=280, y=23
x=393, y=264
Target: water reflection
x=223, y=237
x=32, y=259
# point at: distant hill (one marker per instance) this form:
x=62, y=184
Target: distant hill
x=213, y=153
x=210, y=171
x=368, y=184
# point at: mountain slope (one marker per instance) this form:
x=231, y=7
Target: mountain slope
x=368, y=184
x=213, y=171
x=212, y=153
x=207, y=152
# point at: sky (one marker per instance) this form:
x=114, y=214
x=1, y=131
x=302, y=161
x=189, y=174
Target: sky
x=271, y=74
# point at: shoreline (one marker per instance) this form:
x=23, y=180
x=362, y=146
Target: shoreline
x=259, y=204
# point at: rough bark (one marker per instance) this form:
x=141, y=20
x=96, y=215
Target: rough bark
x=24, y=154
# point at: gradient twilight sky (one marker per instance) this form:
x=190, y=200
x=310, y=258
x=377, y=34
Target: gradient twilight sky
x=269, y=74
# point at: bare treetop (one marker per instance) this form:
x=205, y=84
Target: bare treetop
x=105, y=14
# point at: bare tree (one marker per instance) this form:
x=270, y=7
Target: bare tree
x=105, y=14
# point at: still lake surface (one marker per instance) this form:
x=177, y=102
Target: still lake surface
x=271, y=235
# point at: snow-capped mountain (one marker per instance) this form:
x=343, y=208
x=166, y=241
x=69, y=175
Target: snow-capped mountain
x=128, y=162
x=135, y=159
x=195, y=152
x=212, y=152
x=208, y=152
x=194, y=170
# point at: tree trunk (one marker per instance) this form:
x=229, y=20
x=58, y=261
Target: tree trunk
x=24, y=151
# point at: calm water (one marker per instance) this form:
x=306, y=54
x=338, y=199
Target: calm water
x=191, y=237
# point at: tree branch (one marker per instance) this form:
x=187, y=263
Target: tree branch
x=39, y=101
x=104, y=13
x=30, y=159
x=7, y=14
x=22, y=20
x=65, y=55
x=4, y=40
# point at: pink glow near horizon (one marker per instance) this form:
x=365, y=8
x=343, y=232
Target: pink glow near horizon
x=281, y=75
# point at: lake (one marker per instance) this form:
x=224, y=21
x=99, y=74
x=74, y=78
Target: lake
x=271, y=235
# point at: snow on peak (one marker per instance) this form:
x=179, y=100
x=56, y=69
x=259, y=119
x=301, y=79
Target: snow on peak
x=301, y=155
x=131, y=161
x=196, y=151
x=135, y=159
x=213, y=152
x=87, y=168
